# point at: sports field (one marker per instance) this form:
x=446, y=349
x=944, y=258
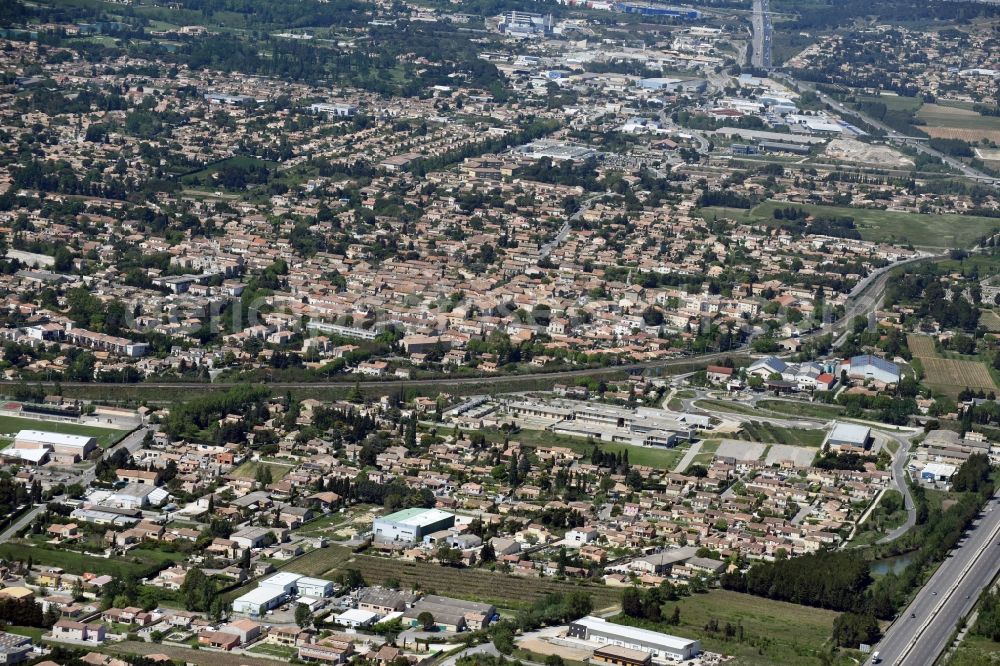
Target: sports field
x=10, y=425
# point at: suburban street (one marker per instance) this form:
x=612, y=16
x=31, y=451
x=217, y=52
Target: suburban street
x=132, y=442
x=921, y=632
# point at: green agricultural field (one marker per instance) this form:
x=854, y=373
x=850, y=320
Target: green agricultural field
x=894, y=102
x=939, y=115
x=476, y=584
x=775, y=632
x=10, y=425
x=990, y=320
x=945, y=230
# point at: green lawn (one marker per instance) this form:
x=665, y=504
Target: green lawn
x=775, y=632
x=706, y=454
x=248, y=470
x=762, y=431
x=280, y=651
x=34, y=633
x=818, y=410
x=721, y=405
x=946, y=230
x=137, y=563
x=321, y=525
x=10, y=425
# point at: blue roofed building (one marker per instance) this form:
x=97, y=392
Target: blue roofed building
x=868, y=366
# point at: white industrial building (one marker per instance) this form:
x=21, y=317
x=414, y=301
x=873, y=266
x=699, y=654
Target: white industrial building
x=63, y=448
x=257, y=602
x=314, y=587
x=850, y=437
x=277, y=589
x=411, y=525
x=661, y=647
x=356, y=618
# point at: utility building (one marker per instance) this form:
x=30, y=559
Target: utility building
x=410, y=525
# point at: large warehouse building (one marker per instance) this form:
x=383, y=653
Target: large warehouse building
x=274, y=591
x=63, y=448
x=661, y=647
x=410, y=525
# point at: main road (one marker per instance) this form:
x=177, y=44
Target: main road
x=899, y=481
x=761, y=22
x=893, y=136
x=922, y=632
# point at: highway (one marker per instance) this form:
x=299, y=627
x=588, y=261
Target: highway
x=761, y=22
x=892, y=136
x=922, y=631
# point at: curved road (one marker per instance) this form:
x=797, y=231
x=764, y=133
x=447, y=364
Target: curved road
x=899, y=478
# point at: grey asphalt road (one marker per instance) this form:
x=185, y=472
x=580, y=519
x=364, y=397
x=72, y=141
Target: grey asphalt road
x=21, y=522
x=132, y=442
x=761, y=23
x=900, y=484
x=922, y=631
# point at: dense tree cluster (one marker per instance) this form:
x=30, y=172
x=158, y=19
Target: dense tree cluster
x=189, y=418
x=834, y=580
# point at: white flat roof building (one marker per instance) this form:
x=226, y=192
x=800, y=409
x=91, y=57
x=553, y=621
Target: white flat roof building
x=314, y=587
x=283, y=580
x=54, y=438
x=661, y=647
x=259, y=601
x=355, y=617
x=850, y=434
